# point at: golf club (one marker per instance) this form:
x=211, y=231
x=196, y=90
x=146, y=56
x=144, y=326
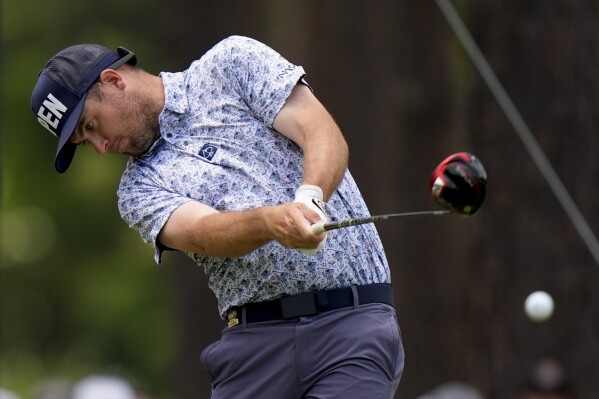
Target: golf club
x=321, y=227
x=458, y=184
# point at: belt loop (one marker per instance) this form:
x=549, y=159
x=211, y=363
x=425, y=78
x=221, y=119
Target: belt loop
x=354, y=292
x=244, y=319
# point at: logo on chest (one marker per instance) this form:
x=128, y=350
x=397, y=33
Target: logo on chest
x=208, y=151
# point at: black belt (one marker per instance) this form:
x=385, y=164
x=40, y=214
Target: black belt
x=309, y=304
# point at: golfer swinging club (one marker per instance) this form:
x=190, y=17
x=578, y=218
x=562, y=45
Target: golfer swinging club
x=231, y=162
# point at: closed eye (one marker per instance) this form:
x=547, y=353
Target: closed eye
x=88, y=126
x=82, y=127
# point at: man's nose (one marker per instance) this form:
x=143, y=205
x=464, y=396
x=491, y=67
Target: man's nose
x=100, y=144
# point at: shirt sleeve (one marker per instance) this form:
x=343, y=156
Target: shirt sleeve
x=145, y=205
x=260, y=75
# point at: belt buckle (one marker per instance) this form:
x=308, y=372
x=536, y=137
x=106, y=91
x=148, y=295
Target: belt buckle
x=232, y=318
x=298, y=305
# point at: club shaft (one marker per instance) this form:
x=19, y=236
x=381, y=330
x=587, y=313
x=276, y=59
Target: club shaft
x=322, y=227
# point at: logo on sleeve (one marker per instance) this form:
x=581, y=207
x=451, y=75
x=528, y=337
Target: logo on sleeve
x=286, y=71
x=208, y=151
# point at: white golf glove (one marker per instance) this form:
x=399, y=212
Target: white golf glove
x=312, y=197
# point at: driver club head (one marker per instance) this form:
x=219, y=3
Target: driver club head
x=459, y=183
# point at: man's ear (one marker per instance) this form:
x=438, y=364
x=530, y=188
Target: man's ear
x=112, y=77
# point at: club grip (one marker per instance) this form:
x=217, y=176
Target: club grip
x=318, y=227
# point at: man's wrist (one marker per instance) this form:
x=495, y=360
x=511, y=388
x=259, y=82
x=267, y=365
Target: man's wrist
x=309, y=190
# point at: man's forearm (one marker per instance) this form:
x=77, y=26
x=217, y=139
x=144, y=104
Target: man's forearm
x=230, y=234
x=325, y=160
x=305, y=120
x=236, y=233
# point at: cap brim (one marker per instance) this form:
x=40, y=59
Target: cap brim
x=66, y=149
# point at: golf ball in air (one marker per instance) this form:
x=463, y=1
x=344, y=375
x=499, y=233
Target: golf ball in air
x=539, y=306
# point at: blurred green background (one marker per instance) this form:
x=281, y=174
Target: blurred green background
x=80, y=293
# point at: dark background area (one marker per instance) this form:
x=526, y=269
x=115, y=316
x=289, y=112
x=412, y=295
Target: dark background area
x=80, y=293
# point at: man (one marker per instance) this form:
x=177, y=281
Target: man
x=231, y=162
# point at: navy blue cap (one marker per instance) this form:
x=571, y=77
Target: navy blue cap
x=59, y=95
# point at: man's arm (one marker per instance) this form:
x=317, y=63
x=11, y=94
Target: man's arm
x=201, y=229
x=304, y=120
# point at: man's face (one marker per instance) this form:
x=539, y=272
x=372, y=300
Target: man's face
x=118, y=122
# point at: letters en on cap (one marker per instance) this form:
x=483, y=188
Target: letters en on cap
x=50, y=113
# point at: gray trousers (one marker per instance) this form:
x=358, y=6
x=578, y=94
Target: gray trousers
x=347, y=353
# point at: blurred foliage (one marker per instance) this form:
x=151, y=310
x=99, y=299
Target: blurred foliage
x=80, y=293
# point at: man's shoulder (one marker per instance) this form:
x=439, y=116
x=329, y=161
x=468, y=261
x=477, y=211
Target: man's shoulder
x=144, y=168
x=133, y=173
x=164, y=161
x=139, y=176
x=227, y=52
x=235, y=41
x=234, y=45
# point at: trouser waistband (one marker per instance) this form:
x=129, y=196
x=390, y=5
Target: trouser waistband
x=309, y=304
